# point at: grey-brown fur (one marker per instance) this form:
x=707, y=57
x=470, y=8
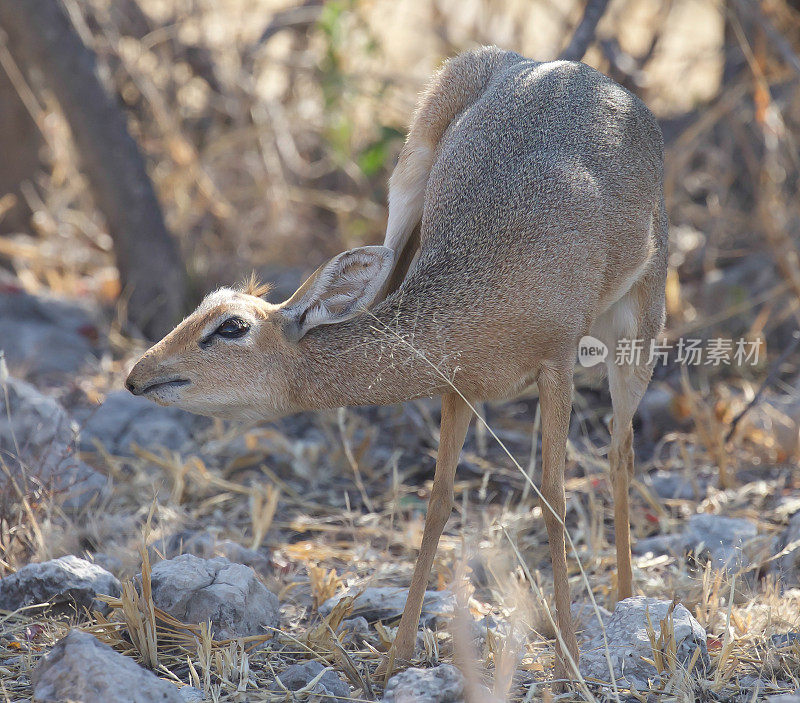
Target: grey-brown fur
x=540, y=200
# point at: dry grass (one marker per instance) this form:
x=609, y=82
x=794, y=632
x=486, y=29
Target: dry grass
x=277, y=157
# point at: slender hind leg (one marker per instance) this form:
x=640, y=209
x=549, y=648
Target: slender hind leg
x=555, y=394
x=638, y=315
x=627, y=385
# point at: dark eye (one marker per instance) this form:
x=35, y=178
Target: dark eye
x=232, y=328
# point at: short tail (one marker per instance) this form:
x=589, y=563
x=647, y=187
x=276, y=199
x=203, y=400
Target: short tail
x=457, y=85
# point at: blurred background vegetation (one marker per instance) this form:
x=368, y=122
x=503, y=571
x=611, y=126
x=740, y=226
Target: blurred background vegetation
x=152, y=150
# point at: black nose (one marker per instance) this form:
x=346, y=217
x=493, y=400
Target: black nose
x=130, y=386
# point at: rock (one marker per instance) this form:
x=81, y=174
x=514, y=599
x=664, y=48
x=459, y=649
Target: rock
x=108, y=561
x=657, y=410
x=786, y=639
x=659, y=544
x=207, y=545
x=753, y=685
x=442, y=684
x=785, y=698
x=81, y=668
x=37, y=433
x=628, y=642
x=788, y=566
x=675, y=485
x=585, y=618
x=715, y=538
x=190, y=694
x=719, y=539
x=387, y=603
x=229, y=595
x=124, y=419
x=329, y=688
x=355, y=630
x=67, y=581
x=44, y=337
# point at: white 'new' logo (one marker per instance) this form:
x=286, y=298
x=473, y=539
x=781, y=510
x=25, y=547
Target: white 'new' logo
x=591, y=351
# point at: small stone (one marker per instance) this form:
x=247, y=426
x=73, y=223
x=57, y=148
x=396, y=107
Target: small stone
x=786, y=639
x=67, y=581
x=81, y=668
x=388, y=602
x=657, y=411
x=785, y=698
x=788, y=565
x=441, y=684
x=38, y=434
x=675, y=485
x=355, y=630
x=659, y=544
x=715, y=538
x=719, y=539
x=329, y=688
x=46, y=337
x=206, y=545
x=228, y=595
x=123, y=420
x=190, y=694
x=108, y=561
x=629, y=643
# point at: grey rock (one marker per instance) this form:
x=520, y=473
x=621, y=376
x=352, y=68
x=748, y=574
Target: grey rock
x=719, y=539
x=489, y=623
x=628, y=642
x=67, y=581
x=659, y=544
x=81, y=668
x=206, y=545
x=752, y=687
x=44, y=337
x=585, y=617
x=108, y=561
x=784, y=698
x=387, y=602
x=785, y=639
x=37, y=436
x=355, y=630
x=228, y=595
x=715, y=538
x=441, y=684
x=788, y=566
x=657, y=411
x=125, y=419
x=328, y=689
x=359, y=625
x=190, y=694
x=674, y=485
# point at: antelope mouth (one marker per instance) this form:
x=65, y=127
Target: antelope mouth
x=162, y=385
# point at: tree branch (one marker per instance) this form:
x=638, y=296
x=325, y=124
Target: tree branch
x=584, y=32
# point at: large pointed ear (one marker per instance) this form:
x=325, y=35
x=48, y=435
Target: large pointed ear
x=338, y=290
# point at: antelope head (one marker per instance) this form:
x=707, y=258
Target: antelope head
x=237, y=356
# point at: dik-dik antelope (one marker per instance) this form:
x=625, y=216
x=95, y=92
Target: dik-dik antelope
x=526, y=211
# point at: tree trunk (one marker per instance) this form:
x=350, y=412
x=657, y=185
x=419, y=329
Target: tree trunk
x=151, y=271
x=20, y=142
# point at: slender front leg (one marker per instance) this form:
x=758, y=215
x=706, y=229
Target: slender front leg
x=620, y=457
x=456, y=415
x=555, y=396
